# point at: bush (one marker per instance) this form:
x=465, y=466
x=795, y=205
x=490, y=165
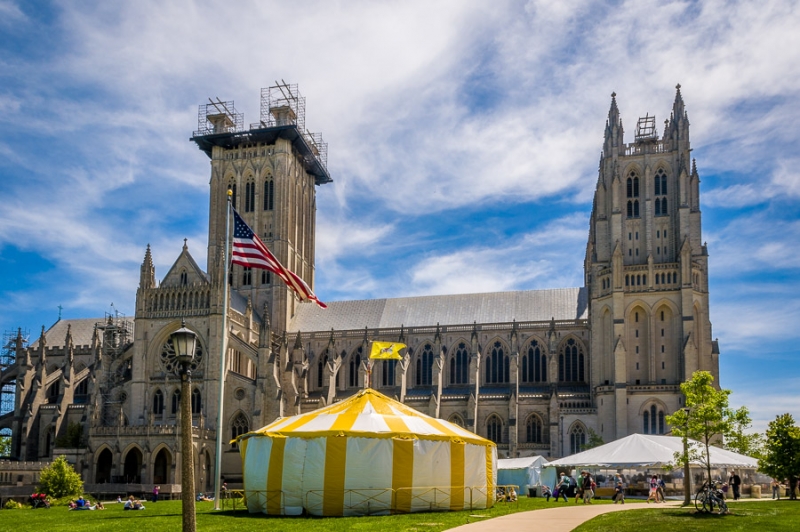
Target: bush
x=11, y=504
x=60, y=480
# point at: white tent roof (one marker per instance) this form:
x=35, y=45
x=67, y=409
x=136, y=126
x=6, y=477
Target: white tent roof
x=641, y=450
x=521, y=463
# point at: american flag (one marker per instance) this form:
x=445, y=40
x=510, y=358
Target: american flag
x=249, y=251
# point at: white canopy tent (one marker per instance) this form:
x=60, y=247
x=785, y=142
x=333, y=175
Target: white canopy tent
x=646, y=450
x=522, y=472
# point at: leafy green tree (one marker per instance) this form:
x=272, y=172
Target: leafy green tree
x=59, y=479
x=737, y=439
x=594, y=441
x=706, y=418
x=781, y=456
x=5, y=445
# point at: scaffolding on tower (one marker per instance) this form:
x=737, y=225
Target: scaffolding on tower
x=8, y=358
x=646, y=128
x=218, y=117
x=116, y=335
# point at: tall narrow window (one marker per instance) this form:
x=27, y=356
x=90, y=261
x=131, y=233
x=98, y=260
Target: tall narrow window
x=196, y=401
x=497, y=365
x=660, y=182
x=425, y=366
x=176, y=401
x=534, y=364
x=533, y=430
x=321, y=367
x=494, y=429
x=249, y=197
x=158, y=403
x=247, y=276
x=387, y=375
x=355, y=363
x=269, y=194
x=571, y=362
x=266, y=278
x=459, y=365
x=239, y=426
x=577, y=438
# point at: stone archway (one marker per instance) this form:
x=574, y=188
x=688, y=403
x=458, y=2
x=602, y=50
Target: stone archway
x=162, y=466
x=132, y=470
x=104, y=466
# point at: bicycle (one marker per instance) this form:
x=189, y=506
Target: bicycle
x=710, y=496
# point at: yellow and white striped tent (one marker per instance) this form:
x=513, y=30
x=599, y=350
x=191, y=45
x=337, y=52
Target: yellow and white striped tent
x=368, y=454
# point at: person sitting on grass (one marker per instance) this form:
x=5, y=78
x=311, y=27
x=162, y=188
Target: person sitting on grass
x=512, y=494
x=99, y=505
x=133, y=504
x=202, y=497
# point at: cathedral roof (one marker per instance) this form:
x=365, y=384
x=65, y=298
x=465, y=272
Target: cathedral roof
x=459, y=309
x=81, y=329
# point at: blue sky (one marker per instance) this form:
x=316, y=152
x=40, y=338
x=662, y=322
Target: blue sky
x=464, y=141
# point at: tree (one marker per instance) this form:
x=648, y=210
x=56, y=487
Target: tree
x=594, y=441
x=706, y=418
x=5, y=445
x=59, y=479
x=781, y=456
x=737, y=439
x=73, y=438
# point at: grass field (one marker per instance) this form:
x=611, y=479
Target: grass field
x=760, y=516
x=165, y=516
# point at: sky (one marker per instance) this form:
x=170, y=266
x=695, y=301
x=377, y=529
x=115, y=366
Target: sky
x=463, y=136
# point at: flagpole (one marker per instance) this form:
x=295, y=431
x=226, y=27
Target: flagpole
x=223, y=351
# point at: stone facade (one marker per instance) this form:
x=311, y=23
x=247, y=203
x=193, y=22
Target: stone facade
x=535, y=371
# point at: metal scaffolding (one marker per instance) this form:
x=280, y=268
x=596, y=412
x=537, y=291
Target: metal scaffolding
x=218, y=117
x=116, y=335
x=646, y=128
x=8, y=357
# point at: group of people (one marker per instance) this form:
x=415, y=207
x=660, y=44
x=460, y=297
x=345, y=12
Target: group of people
x=585, y=487
x=506, y=495
x=132, y=504
x=83, y=504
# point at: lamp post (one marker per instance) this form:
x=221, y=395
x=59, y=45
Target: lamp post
x=687, y=480
x=184, y=341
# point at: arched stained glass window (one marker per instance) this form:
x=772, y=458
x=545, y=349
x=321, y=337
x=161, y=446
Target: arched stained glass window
x=494, y=429
x=533, y=430
x=425, y=366
x=459, y=365
x=497, y=365
x=577, y=438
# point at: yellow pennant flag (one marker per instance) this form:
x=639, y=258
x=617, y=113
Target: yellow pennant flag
x=386, y=350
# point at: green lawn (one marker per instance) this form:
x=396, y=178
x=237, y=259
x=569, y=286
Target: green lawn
x=753, y=516
x=165, y=516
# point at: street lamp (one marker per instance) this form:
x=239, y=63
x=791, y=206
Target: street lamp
x=184, y=341
x=687, y=488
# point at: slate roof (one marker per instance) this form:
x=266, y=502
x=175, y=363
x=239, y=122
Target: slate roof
x=460, y=309
x=82, y=331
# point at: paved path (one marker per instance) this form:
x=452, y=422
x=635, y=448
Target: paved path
x=561, y=519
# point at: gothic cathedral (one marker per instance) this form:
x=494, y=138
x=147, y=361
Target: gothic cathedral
x=535, y=371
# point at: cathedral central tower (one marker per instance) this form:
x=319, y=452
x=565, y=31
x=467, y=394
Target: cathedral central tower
x=271, y=169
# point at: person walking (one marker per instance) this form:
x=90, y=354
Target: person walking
x=776, y=489
x=619, y=490
x=156, y=489
x=653, y=489
x=735, y=483
x=589, y=486
x=661, y=489
x=562, y=487
x=579, y=490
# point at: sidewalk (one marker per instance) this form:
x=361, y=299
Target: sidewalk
x=561, y=519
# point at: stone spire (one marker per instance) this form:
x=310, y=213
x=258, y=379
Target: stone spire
x=147, y=279
x=678, y=127
x=614, y=131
